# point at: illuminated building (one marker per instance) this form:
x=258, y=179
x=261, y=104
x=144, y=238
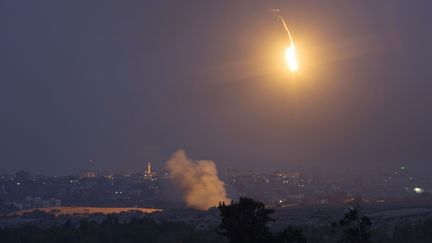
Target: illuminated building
x=149, y=174
x=88, y=174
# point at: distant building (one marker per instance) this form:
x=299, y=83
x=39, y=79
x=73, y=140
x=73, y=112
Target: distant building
x=288, y=177
x=91, y=171
x=89, y=174
x=37, y=202
x=149, y=173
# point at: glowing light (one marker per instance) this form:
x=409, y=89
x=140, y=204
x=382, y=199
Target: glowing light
x=418, y=190
x=290, y=52
x=291, y=58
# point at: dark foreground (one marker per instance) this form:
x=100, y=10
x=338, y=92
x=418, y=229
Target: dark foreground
x=244, y=221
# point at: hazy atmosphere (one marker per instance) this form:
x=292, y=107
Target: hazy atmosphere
x=123, y=83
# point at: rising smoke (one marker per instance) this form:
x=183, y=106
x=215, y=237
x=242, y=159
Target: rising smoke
x=198, y=180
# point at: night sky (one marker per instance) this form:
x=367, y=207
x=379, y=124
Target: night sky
x=124, y=82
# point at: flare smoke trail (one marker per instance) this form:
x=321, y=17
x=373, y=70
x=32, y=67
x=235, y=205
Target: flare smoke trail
x=290, y=52
x=276, y=11
x=199, y=181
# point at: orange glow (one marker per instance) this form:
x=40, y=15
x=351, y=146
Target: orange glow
x=291, y=58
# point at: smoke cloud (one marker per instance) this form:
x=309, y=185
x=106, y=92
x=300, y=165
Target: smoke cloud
x=199, y=181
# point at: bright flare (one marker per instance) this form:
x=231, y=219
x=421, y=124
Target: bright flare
x=290, y=52
x=291, y=58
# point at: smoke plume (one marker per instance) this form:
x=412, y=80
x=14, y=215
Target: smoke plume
x=199, y=181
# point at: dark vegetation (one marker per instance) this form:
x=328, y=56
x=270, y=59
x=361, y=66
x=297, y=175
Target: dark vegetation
x=354, y=226
x=244, y=221
x=110, y=231
x=420, y=232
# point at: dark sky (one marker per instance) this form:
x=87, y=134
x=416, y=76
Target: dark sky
x=123, y=82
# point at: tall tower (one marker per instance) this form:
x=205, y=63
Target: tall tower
x=149, y=168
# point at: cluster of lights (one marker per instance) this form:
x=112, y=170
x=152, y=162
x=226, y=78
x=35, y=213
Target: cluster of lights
x=153, y=187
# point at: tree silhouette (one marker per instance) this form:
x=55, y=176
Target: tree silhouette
x=355, y=227
x=246, y=221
